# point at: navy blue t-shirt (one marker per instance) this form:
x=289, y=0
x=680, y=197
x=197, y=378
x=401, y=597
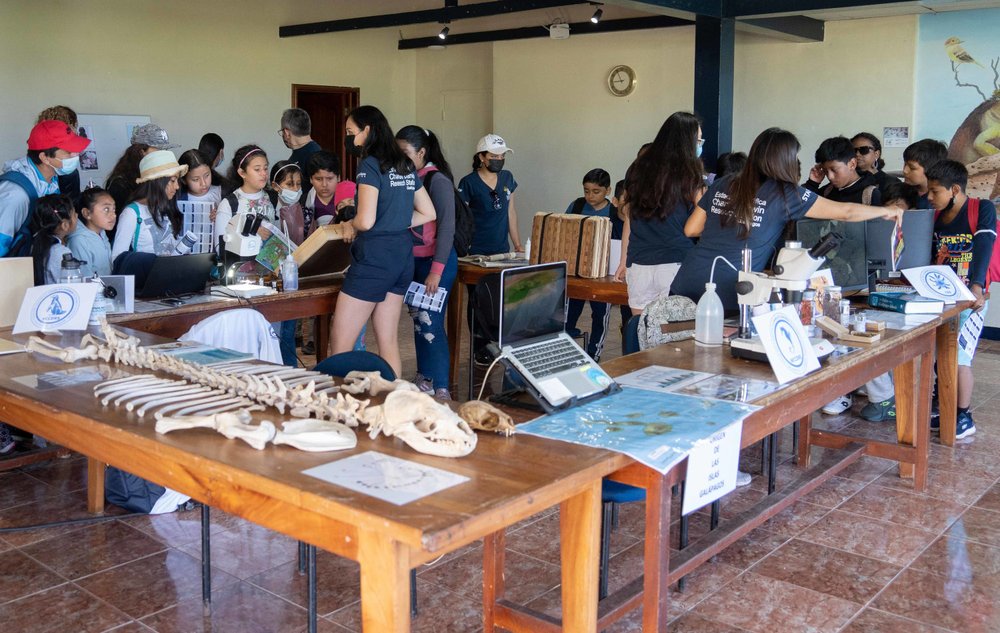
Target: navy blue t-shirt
x=394, y=212
x=609, y=211
x=654, y=242
x=489, y=209
x=775, y=205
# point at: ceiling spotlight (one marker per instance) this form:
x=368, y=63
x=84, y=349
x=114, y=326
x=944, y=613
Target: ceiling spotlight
x=597, y=15
x=444, y=33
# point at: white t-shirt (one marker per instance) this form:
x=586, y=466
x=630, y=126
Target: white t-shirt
x=257, y=203
x=150, y=238
x=213, y=195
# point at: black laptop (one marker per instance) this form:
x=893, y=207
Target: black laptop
x=177, y=275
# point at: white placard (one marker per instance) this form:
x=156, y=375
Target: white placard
x=712, y=468
x=789, y=351
x=938, y=282
x=398, y=481
x=615, y=257
x=968, y=336
x=56, y=307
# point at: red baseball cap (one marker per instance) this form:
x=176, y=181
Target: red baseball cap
x=49, y=134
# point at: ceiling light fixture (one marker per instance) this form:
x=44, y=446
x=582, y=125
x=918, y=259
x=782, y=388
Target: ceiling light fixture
x=444, y=33
x=597, y=15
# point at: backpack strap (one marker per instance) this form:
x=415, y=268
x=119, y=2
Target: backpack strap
x=973, y=213
x=427, y=180
x=578, y=205
x=21, y=181
x=134, y=246
x=541, y=235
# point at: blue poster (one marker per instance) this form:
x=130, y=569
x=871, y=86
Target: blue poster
x=654, y=428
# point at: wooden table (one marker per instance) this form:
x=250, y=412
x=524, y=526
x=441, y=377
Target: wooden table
x=910, y=354
x=316, y=297
x=509, y=479
x=604, y=289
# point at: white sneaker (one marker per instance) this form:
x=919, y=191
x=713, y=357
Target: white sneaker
x=742, y=478
x=838, y=406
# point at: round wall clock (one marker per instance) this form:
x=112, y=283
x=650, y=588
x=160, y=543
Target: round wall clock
x=621, y=80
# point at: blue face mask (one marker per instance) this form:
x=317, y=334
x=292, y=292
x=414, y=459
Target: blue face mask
x=69, y=165
x=697, y=151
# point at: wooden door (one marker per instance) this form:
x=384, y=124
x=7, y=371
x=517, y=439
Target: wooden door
x=328, y=107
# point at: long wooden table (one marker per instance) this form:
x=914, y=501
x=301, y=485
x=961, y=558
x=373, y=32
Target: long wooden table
x=509, y=479
x=910, y=354
x=316, y=297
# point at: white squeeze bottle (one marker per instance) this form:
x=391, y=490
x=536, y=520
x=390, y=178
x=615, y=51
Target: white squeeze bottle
x=289, y=274
x=708, y=318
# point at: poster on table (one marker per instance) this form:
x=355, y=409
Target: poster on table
x=938, y=282
x=788, y=348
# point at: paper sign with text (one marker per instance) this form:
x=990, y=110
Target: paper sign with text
x=938, y=282
x=788, y=348
x=712, y=468
x=56, y=307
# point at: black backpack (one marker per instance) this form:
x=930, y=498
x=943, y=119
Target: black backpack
x=125, y=490
x=20, y=245
x=465, y=223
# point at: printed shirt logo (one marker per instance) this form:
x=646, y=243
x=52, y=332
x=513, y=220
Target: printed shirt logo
x=55, y=307
x=409, y=181
x=955, y=251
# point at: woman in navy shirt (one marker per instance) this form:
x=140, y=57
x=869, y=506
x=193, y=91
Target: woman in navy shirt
x=661, y=187
x=489, y=192
x=389, y=201
x=750, y=209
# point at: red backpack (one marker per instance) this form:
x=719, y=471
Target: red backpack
x=993, y=271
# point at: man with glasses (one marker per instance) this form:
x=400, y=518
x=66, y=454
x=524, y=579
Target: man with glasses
x=296, y=128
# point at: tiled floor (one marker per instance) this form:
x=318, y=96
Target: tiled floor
x=863, y=553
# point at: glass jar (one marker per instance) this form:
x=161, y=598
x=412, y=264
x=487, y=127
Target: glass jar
x=806, y=307
x=832, y=296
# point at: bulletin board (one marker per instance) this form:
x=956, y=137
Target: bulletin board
x=110, y=136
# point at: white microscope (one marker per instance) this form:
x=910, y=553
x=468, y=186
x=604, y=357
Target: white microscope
x=790, y=276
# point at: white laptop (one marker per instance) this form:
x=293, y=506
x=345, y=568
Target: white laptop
x=533, y=335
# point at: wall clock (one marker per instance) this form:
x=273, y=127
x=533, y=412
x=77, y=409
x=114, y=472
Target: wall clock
x=621, y=80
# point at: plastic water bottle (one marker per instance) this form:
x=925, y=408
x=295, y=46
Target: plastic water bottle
x=289, y=274
x=708, y=318
x=69, y=272
x=185, y=244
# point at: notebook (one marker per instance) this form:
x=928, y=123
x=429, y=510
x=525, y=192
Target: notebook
x=533, y=335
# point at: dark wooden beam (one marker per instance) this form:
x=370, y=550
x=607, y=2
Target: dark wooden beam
x=690, y=7
x=575, y=29
x=444, y=14
x=714, y=61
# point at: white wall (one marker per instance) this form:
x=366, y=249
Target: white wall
x=552, y=105
x=860, y=78
x=194, y=66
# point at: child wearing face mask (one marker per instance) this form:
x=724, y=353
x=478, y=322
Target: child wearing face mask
x=286, y=191
x=89, y=242
x=489, y=192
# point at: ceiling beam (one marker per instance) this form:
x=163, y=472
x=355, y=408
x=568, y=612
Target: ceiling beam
x=746, y=8
x=576, y=28
x=445, y=14
x=677, y=8
x=794, y=28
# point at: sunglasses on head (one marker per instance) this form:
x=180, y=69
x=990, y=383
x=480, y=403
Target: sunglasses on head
x=864, y=149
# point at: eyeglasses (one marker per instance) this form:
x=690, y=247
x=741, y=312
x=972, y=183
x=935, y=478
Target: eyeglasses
x=496, y=200
x=864, y=149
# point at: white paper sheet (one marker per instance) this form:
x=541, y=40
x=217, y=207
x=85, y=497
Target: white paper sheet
x=56, y=307
x=398, y=481
x=788, y=348
x=968, y=336
x=660, y=378
x=712, y=468
x=938, y=282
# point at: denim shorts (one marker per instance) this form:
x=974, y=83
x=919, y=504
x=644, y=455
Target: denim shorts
x=380, y=263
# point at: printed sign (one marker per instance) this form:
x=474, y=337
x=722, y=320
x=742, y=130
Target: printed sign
x=968, y=336
x=712, y=468
x=788, y=349
x=938, y=282
x=56, y=307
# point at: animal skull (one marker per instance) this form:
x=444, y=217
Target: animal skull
x=483, y=416
x=422, y=422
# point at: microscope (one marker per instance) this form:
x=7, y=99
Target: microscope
x=789, y=277
x=240, y=243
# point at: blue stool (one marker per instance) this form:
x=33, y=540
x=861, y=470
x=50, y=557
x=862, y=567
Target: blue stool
x=612, y=493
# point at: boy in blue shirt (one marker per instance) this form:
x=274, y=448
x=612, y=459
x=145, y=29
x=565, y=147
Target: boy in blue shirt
x=968, y=250
x=918, y=159
x=596, y=187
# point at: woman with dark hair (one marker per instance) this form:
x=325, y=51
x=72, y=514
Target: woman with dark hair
x=868, y=152
x=661, y=187
x=389, y=201
x=211, y=147
x=121, y=181
x=489, y=192
x=151, y=221
x=435, y=263
x=750, y=210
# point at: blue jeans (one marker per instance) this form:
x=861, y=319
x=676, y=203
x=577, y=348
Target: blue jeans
x=286, y=340
x=599, y=314
x=429, y=338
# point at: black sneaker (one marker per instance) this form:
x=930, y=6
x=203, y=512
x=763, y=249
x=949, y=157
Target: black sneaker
x=884, y=411
x=309, y=348
x=964, y=426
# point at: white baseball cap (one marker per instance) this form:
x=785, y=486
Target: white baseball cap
x=494, y=144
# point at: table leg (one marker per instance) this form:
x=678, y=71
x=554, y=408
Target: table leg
x=385, y=584
x=321, y=334
x=947, y=379
x=493, y=581
x=913, y=415
x=579, y=531
x=805, y=454
x=453, y=325
x=656, y=558
x=95, y=486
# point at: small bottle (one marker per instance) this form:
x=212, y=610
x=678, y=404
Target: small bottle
x=708, y=318
x=185, y=244
x=69, y=272
x=806, y=308
x=844, y=310
x=289, y=274
x=860, y=324
x=100, y=309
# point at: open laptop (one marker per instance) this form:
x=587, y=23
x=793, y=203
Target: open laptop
x=533, y=335
x=177, y=275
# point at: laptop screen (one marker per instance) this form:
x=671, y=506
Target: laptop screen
x=533, y=302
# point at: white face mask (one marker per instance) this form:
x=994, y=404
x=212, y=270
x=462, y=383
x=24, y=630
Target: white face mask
x=69, y=165
x=290, y=196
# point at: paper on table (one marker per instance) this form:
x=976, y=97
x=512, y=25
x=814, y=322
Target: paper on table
x=788, y=348
x=64, y=307
x=938, y=282
x=398, y=481
x=712, y=468
x=660, y=378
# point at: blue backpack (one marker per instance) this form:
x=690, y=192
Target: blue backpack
x=20, y=245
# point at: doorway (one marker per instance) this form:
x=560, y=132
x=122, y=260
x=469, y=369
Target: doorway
x=328, y=107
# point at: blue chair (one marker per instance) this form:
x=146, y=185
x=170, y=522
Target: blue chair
x=612, y=493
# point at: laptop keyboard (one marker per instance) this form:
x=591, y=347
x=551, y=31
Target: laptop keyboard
x=550, y=358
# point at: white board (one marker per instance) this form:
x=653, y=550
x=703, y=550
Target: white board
x=110, y=136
